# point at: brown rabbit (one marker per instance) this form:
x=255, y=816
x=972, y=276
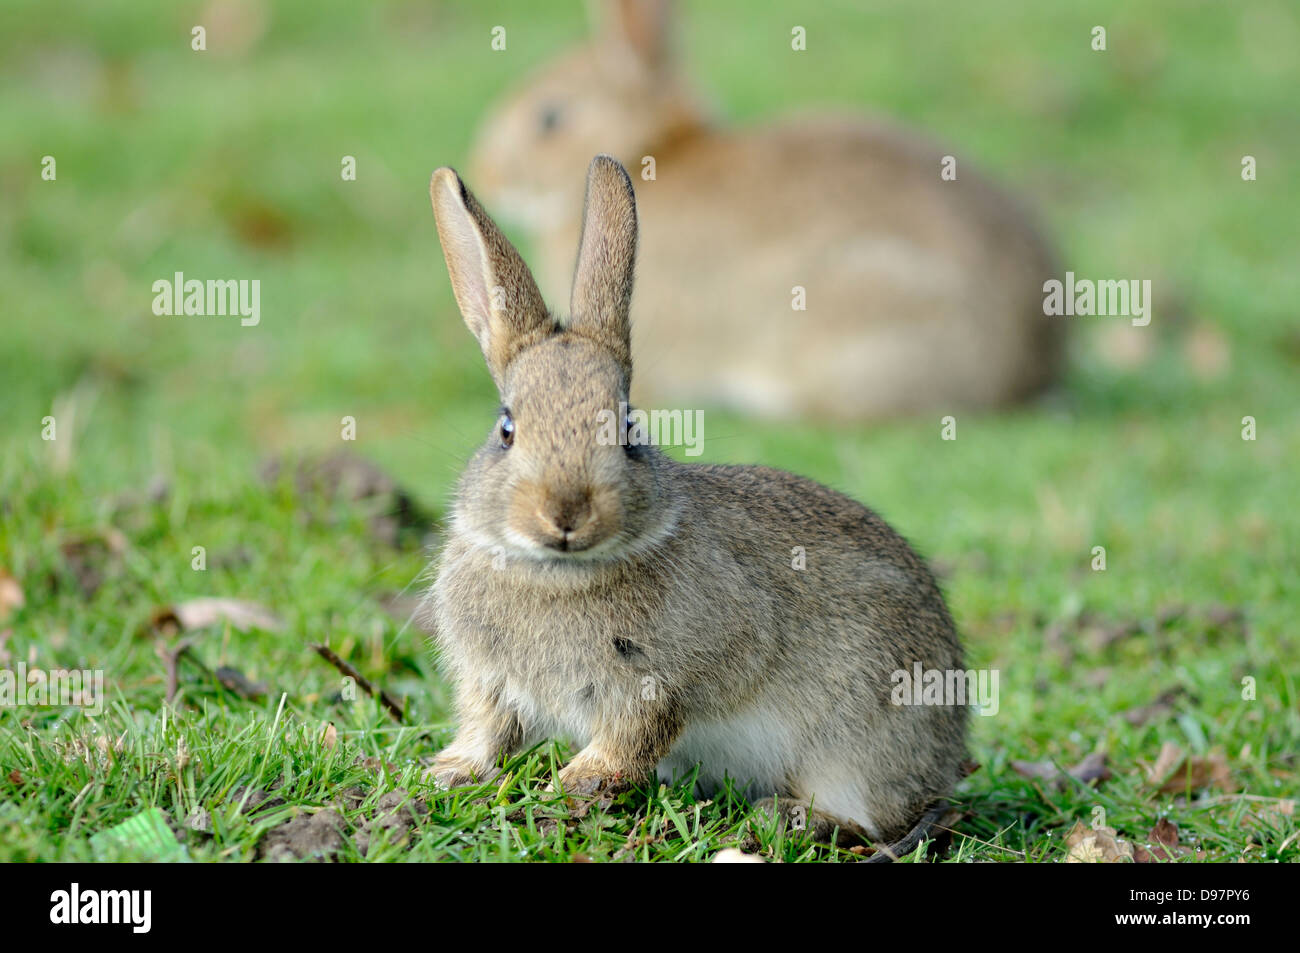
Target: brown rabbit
x=920, y=294
x=650, y=610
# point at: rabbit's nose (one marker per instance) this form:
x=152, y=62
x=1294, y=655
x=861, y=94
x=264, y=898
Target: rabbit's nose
x=566, y=515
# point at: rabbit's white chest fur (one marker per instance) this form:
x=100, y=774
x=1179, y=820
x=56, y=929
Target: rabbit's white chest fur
x=752, y=748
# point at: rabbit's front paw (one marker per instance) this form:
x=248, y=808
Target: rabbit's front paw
x=582, y=778
x=452, y=771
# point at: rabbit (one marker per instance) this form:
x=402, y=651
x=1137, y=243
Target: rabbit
x=650, y=611
x=918, y=293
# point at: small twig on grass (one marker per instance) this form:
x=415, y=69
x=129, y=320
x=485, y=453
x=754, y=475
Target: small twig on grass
x=390, y=703
x=171, y=657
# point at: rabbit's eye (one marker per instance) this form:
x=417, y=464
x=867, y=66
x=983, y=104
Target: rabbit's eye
x=506, y=430
x=549, y=119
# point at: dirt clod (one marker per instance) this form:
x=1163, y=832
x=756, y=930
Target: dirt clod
x=316, y=837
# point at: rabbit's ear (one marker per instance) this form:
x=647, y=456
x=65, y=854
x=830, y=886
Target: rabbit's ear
x=602, y=280
x=495, y=290
x=642, y=27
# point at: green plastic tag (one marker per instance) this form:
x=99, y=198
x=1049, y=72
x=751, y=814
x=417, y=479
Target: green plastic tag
x=144, y=837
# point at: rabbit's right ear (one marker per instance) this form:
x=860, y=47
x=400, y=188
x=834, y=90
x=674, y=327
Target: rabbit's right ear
x=602, y=279
x=497, y=295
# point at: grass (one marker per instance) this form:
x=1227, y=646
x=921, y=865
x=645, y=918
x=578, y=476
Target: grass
x=228, y=164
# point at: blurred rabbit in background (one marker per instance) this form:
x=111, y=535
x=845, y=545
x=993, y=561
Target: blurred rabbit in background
x=920, y=293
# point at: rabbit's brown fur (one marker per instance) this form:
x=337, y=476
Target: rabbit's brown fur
x=921, y=294
x=650, y=610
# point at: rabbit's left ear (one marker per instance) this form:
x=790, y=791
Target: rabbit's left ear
x=496, y=292
x=602, y=280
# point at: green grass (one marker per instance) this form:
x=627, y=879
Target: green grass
x=228, y=164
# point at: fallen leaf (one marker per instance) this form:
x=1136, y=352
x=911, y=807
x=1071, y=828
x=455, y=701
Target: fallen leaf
x=92, y=557
x=1175, y=771
x=1101, y=845
x=1041, y=770
x=1091, y=768
x=203, y=612
x=236, y=681
x=1157, y=710
x=1162, y=844
x=1165, y=832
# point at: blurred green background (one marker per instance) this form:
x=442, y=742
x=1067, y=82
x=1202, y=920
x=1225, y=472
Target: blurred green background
x=226, y=163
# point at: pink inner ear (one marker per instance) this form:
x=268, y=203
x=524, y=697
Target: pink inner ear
x=467, y=265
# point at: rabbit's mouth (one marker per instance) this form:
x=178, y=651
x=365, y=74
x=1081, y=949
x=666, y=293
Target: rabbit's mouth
x=588, y=539
x=601, y=546
x=567, y=549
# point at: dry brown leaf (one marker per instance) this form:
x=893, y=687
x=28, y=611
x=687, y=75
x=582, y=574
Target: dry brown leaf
x=1159, y=709
x=93, y=557
x=232, y=679
x=1091, y=768
x=1040, y=770
x=1165, y=832
x=203, y=612
x=1101, y=845
x=1162, y=844
x=330, y=737
x=1175, y=771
